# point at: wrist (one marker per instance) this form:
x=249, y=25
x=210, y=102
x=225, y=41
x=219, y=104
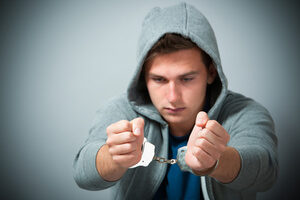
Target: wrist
x=108, y=169
x=229, y=166
x=208, y=171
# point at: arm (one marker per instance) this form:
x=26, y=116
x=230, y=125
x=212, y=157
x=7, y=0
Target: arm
x=106, y=167
x=253, y=136
x=228, y=167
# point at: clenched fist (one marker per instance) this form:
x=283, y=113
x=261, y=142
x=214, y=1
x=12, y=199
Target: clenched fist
x=125, y=140
x=206, y=144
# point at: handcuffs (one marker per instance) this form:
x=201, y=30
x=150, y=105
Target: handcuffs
x=148, y=155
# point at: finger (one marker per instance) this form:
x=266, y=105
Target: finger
x=127, y=160
x=123, y=158
x=192, y=161
x=119, y=127
x=215, y=140
x=121, y=138
x=217, y=129
x=202, y=156
x=202, y=119
x=121, y=149
x=210, y=136
x=208, y=147
x=138, y=126
x=194, y=134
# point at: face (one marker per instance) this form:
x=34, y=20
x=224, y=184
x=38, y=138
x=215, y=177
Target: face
x=177, y=83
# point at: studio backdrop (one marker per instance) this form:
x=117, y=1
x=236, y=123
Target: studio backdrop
x=61, y=60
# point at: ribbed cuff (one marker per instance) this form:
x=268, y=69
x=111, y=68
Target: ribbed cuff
x=250, y=165
x=90, y=171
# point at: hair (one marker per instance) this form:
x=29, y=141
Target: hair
x=171, y=42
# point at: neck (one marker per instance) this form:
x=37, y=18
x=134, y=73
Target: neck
x=181, y=129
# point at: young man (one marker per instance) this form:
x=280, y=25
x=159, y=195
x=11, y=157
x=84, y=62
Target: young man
x=224, y=143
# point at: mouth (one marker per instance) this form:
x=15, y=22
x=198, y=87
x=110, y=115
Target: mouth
x=174, y=110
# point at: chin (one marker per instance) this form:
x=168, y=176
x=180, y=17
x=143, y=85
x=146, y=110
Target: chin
x=175, y=119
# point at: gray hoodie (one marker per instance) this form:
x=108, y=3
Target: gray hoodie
x=249, y=124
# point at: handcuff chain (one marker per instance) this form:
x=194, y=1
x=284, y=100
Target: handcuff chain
x=164, y=160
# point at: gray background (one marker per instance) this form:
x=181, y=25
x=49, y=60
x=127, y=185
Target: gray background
x=60, y=60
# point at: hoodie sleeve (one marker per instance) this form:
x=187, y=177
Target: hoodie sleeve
x=252, y=134
x=84, y=167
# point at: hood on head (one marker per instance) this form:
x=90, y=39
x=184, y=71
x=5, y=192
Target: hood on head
x=187, y=21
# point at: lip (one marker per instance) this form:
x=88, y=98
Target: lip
x=174, y=110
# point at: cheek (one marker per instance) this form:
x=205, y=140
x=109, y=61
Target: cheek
x=196, y=94
x=154, y=93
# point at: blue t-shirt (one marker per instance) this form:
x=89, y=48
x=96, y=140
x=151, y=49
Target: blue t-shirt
x=178, y=184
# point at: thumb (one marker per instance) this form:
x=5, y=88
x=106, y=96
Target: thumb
x=202, y=119
x=138, y=127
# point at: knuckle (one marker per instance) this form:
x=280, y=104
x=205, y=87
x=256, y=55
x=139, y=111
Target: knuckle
x=108, y=129
x=205, y=131
x=111, y=151
x=115, y=159
x=197, y=152
x=227, y=138
x=201, y=142
x=129, y=136
x=108, y=141
x=130, y=147
x=141, y=121
x=197, y=142
x=124, y=124
x=212, y=123
x=222, y=148
x=126, y=136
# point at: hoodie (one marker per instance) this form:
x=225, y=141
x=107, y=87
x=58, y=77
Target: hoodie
x=249, y=124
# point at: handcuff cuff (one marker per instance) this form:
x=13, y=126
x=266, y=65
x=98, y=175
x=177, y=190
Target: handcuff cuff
x=148, y=155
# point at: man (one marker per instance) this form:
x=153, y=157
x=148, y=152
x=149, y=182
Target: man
x=224, y=143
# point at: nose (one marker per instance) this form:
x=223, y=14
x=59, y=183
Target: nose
x=173, y=93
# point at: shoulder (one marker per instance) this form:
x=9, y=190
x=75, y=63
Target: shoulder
x=115, y=109
x=236, y=103
x=241, y=112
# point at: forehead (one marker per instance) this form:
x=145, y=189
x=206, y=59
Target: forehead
x=181, y=61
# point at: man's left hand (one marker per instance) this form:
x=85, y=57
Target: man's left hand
x=206, y=144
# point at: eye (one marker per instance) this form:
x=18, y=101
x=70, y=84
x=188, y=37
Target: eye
x=187, y=79
x=158, y=79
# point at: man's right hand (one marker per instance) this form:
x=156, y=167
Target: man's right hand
x=124, y=141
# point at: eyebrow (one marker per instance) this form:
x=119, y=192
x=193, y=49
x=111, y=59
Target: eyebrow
x=182, y=75
x=190, y=73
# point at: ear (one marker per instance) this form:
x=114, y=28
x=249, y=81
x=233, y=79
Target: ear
x=212, y=73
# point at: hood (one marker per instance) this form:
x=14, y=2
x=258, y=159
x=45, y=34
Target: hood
x=189, y=22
